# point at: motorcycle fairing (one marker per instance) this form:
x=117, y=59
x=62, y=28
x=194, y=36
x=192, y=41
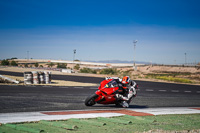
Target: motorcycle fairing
x=106, y=92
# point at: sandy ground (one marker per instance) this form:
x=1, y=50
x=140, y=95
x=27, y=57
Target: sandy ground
x=160, y=69
x=141, y=71
x=53, y=82
x=152, y=69
x=22, y=70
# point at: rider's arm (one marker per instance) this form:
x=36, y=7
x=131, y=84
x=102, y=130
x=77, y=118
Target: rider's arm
x=133, y=87
x=133, y=83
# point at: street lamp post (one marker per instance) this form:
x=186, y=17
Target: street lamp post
x=74, y=54
x=27, y=55
x=134, y=42
x=185, y=58
x=74, y=57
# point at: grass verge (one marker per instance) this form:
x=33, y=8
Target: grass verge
x=174, y=79
x=162, y=123
x=169, y=77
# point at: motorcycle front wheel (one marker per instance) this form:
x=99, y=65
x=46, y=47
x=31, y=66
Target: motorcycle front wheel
x=89, y=101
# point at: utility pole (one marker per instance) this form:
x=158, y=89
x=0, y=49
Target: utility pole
x=74, y=54
x=27, y=55
x=185, y=58
x=174, y=62
x=134, y=42
x=74, y=57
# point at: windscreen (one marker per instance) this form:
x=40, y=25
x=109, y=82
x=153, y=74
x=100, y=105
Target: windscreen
x=111, y=84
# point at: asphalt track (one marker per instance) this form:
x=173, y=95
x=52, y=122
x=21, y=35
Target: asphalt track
x=15, y=98
x=83, y=79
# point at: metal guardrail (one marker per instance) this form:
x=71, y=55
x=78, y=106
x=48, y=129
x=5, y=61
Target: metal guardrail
x=9, y=79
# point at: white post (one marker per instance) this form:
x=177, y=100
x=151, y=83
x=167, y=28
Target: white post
x=134, y=42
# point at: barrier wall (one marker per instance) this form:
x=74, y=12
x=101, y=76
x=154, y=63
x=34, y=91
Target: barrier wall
x=37, y=77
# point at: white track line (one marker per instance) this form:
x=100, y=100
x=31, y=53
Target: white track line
x=175, y=90
x=46, y=86
x=163, y=90
x=63, y=87
x=149, y=90
x=78, y=87
x=37, y=116
x=164, y=111
x=30, y=86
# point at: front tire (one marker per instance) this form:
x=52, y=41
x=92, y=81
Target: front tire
x=89, y=101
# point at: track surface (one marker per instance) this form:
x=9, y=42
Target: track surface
x=51, y=98
x=83, y=79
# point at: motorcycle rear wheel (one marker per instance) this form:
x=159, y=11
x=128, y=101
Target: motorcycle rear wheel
x=89, y=101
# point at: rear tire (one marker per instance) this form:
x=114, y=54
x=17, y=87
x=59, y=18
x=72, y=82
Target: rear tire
x=117, y=104
x=89, y=101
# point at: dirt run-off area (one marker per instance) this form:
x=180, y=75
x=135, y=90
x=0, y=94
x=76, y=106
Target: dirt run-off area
x=175, y=74
x=172, y=74
x=53, y=82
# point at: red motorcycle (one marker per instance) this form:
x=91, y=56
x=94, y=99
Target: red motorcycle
x=106, y=94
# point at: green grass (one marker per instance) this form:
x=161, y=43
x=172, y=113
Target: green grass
x=109, y=125
x=87, y=70
x=110, y=71
x=174, y=79
x=170, y=77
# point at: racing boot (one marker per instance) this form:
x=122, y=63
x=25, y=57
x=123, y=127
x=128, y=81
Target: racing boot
x=125, y=104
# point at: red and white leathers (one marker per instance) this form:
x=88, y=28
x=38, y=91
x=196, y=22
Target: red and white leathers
x=130, y=92
x=129, y=89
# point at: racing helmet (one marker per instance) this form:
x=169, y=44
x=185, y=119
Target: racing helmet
x=125, y=80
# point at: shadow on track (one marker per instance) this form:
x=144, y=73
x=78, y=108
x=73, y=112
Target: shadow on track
x=114, y=106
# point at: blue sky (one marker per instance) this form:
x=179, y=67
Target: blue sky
x=101, y=29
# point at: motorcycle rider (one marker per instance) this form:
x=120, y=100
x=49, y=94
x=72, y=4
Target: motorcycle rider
x=129, y=88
